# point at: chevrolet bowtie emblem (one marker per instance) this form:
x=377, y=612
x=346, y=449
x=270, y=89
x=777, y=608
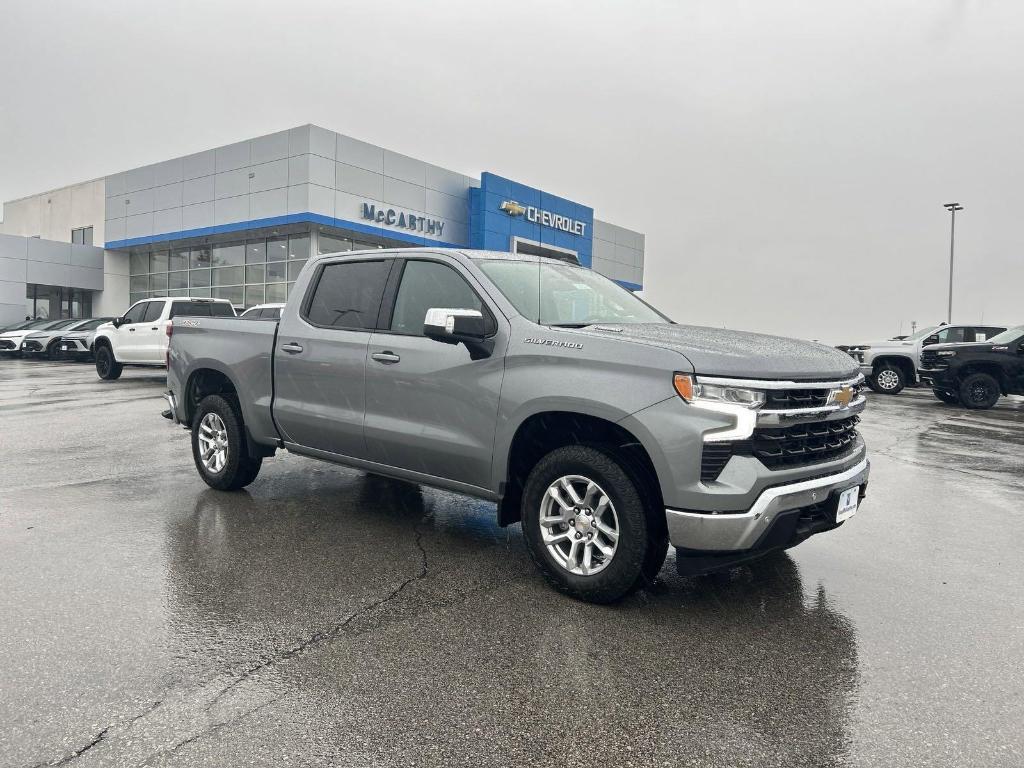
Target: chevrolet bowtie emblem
x=512, y=208
x=842, y=396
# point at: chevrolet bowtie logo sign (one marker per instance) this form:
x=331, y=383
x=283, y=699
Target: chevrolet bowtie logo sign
x=842, y=396
x=512, y=208
x=536, y=215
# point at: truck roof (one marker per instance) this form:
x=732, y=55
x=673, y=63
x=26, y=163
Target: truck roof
x=465, y=252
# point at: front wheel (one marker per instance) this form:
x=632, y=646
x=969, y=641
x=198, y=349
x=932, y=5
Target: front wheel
x=888, y=379
x=950, y=398
x=107, y=368
x=219, y=445
x=586, y=524
x=979, y=391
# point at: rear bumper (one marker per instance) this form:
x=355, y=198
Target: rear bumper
x=735, y=533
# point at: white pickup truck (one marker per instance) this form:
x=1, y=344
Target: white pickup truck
x=141, y=336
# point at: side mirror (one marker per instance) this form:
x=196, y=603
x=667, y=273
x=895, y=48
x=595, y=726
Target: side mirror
x=452, y=326
x=1020, y=348
x=933, y=339
x=116, y=322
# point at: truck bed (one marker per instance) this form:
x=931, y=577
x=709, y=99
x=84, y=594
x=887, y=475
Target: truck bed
x=241, y=349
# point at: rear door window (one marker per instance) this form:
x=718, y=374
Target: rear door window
x=153, y=311
x=348, y=295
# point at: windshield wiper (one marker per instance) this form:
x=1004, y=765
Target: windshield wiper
x=569, y=325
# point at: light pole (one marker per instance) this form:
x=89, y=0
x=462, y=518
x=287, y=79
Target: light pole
x=952, y=208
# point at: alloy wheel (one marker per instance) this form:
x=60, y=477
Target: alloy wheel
x=579, y=525
x=213, y=443
x=888, y=379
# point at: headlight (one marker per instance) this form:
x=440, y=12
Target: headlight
x=946, y=353
x=692, y=390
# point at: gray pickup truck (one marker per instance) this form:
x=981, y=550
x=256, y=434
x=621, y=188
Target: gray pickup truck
x=603, y=427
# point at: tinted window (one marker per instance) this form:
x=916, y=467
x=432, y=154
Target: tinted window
x=951, y=335
x=134, y=315
x=222, y=309
x=153, y=312
x=984, y=334
x=348, y=294
x=427, y=284
x=272, y=313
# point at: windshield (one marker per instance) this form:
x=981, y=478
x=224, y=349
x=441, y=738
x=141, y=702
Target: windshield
x=561, y=294
x=1007, y=336
x=60, y=324
x=921, y=334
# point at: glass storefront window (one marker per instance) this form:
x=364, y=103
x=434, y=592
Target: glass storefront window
x=138, y=283
x=198, y=277
x=158, y=261
x=177, y=292
x=276, y=271
x=228, y=255
x=229, y=276
x=177, y=279
x=179, y=259
x=158, y=282
x=256, y=252
x=253, y=295
x=277, y=249
x=138, y=263
x=276, y=292
x=294, y=267
x=201, y=293
x=233, y=293
x=199, y=258
x=255, y=273
x=298, y=247
x=328, y=243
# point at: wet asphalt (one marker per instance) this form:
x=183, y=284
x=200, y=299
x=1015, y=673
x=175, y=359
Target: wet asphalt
x=324, y=617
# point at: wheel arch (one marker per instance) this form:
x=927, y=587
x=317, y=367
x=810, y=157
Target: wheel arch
x=543, y=431
x=992, y=369
x=209, y=378
x=903, y=362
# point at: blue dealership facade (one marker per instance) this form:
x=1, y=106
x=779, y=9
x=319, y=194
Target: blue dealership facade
x=239, y=221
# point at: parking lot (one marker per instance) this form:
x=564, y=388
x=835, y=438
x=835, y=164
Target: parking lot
x=325, y=617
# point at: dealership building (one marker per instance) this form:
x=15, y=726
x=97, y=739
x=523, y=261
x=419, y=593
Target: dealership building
x=239, y=221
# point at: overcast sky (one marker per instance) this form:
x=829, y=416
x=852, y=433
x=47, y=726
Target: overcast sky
x=787, y=160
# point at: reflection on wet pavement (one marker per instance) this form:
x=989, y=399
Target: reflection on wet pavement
x=327, y=617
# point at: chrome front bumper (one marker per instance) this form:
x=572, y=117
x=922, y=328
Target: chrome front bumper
x=734, y=532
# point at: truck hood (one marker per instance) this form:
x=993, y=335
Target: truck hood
x=741, y=354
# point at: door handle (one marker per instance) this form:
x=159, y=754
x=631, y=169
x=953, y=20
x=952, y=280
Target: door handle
x=131, y=330
x=155, y=328
x=292, y=347
x=388, y=358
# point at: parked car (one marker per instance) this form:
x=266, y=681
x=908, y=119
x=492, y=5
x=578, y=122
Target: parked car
x=263, y=312
x=889, y=366
x=77, y=344
x=976, y=375
x=140, y=337
x=605, y=428
x=10, y=340
x=46, y=343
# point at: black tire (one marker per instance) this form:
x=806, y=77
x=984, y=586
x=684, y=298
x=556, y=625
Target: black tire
x=107, y=368
x=637, y=557
x=52, y=351
x=887, y=379
x=950, y=398
x=979, y=391
x=239, y=468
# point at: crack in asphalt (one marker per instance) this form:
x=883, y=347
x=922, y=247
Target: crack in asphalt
x=98, y=738
x=321, y=638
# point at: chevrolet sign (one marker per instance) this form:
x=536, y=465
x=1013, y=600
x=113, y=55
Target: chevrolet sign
x=536, y=215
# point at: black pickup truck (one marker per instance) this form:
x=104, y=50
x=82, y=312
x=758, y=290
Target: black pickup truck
x=976, y=375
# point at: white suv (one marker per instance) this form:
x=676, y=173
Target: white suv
x=141, y=336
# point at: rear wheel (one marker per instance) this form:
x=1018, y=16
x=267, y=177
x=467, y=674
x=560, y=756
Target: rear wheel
x=951, y=398
x=219, y=445
x=887, y=379
x=586, y=525
x=107, y=367
x=979, y=391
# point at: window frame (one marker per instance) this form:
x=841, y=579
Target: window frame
x=387, y=313
x=126, y=321
x=146, y=318
x=314, y=283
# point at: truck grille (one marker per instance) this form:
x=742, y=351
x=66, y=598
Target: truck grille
x=784, y=447
x=788, y=399
x=932, y=361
